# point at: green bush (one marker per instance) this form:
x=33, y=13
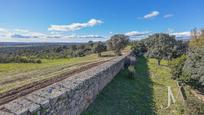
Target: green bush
x=176, y=66
x=194, y=64
x=38, y=61
x=18, y=59
x=132, y=72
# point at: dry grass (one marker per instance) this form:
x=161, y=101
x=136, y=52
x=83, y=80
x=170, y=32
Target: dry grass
x=13, y=75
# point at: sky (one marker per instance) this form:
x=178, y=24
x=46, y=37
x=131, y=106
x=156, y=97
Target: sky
x=96, y=20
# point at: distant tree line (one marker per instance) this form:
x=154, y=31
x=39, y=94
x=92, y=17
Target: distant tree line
x=34, y=54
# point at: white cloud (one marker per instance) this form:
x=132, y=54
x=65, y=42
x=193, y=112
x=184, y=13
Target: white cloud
x=151, y=14
x=2, y=30
x=168, y=15
x=170, y=30
x=182, y=35
x=21, y=30
x=137, y=35
x=75, y=26
x=110, y=32
x=22, y=35
x=82, y=36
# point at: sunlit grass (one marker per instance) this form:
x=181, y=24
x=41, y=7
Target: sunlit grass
x=14, y=75
x=146, y=94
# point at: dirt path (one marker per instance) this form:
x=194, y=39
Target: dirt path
x=26, y=89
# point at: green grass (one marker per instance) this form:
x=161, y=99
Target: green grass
x=14, y=75
x=145, y=95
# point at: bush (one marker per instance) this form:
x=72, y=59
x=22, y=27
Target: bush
x=19, y=60
x=38, y=61
x=176, y=66
x=138, y=48
x=132, y=72
x=194, y=65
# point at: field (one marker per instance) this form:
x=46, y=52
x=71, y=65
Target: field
x=13, y=75
x=145, y=95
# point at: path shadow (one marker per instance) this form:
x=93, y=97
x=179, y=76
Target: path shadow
x=124, y=96
x=107, y=55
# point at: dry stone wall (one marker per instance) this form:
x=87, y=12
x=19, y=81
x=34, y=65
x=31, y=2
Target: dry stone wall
x=68, y=97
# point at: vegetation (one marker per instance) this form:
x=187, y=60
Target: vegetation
x=176, y=66
x=189, y=68
x=117, y=43
x=13, y=75
x=18, y=59
x=194, y=65
x=99, y=47
x=132, y=72
x=30, y=63
x=146, y=94
x=34, y=54
x=139, y=89
x=138, y=47
x=194, y=106
x=186, y=61
x=159, y=46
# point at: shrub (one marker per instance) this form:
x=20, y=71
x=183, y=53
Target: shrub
x=176, y=66
x=131, y=70
x=194, y=65
x=38, y=61
x=19, y=60
x=99, y=47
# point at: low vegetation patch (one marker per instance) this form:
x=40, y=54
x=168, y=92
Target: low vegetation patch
x=194, y=106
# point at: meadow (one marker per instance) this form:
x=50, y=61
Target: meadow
x=145, y=95
x=13, y=75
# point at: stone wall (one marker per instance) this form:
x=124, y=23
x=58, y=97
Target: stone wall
x=68, y=97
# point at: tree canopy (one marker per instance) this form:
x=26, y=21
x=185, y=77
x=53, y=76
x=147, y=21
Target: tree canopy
x=117, y=42
x=194, y=65
x=99, y=47
x=160, y=46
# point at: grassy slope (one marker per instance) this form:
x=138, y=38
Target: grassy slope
x=13, y=75
x=147, y=94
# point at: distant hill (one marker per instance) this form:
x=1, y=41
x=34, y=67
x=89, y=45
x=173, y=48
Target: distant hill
x=24, y=44
x=182, y=38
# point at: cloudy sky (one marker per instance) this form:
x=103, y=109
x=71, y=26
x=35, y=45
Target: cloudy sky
x=84, y=20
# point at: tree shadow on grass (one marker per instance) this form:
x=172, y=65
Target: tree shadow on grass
x=124, y=96
x=107, y=55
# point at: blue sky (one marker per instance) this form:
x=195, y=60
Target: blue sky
x=84, y=20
